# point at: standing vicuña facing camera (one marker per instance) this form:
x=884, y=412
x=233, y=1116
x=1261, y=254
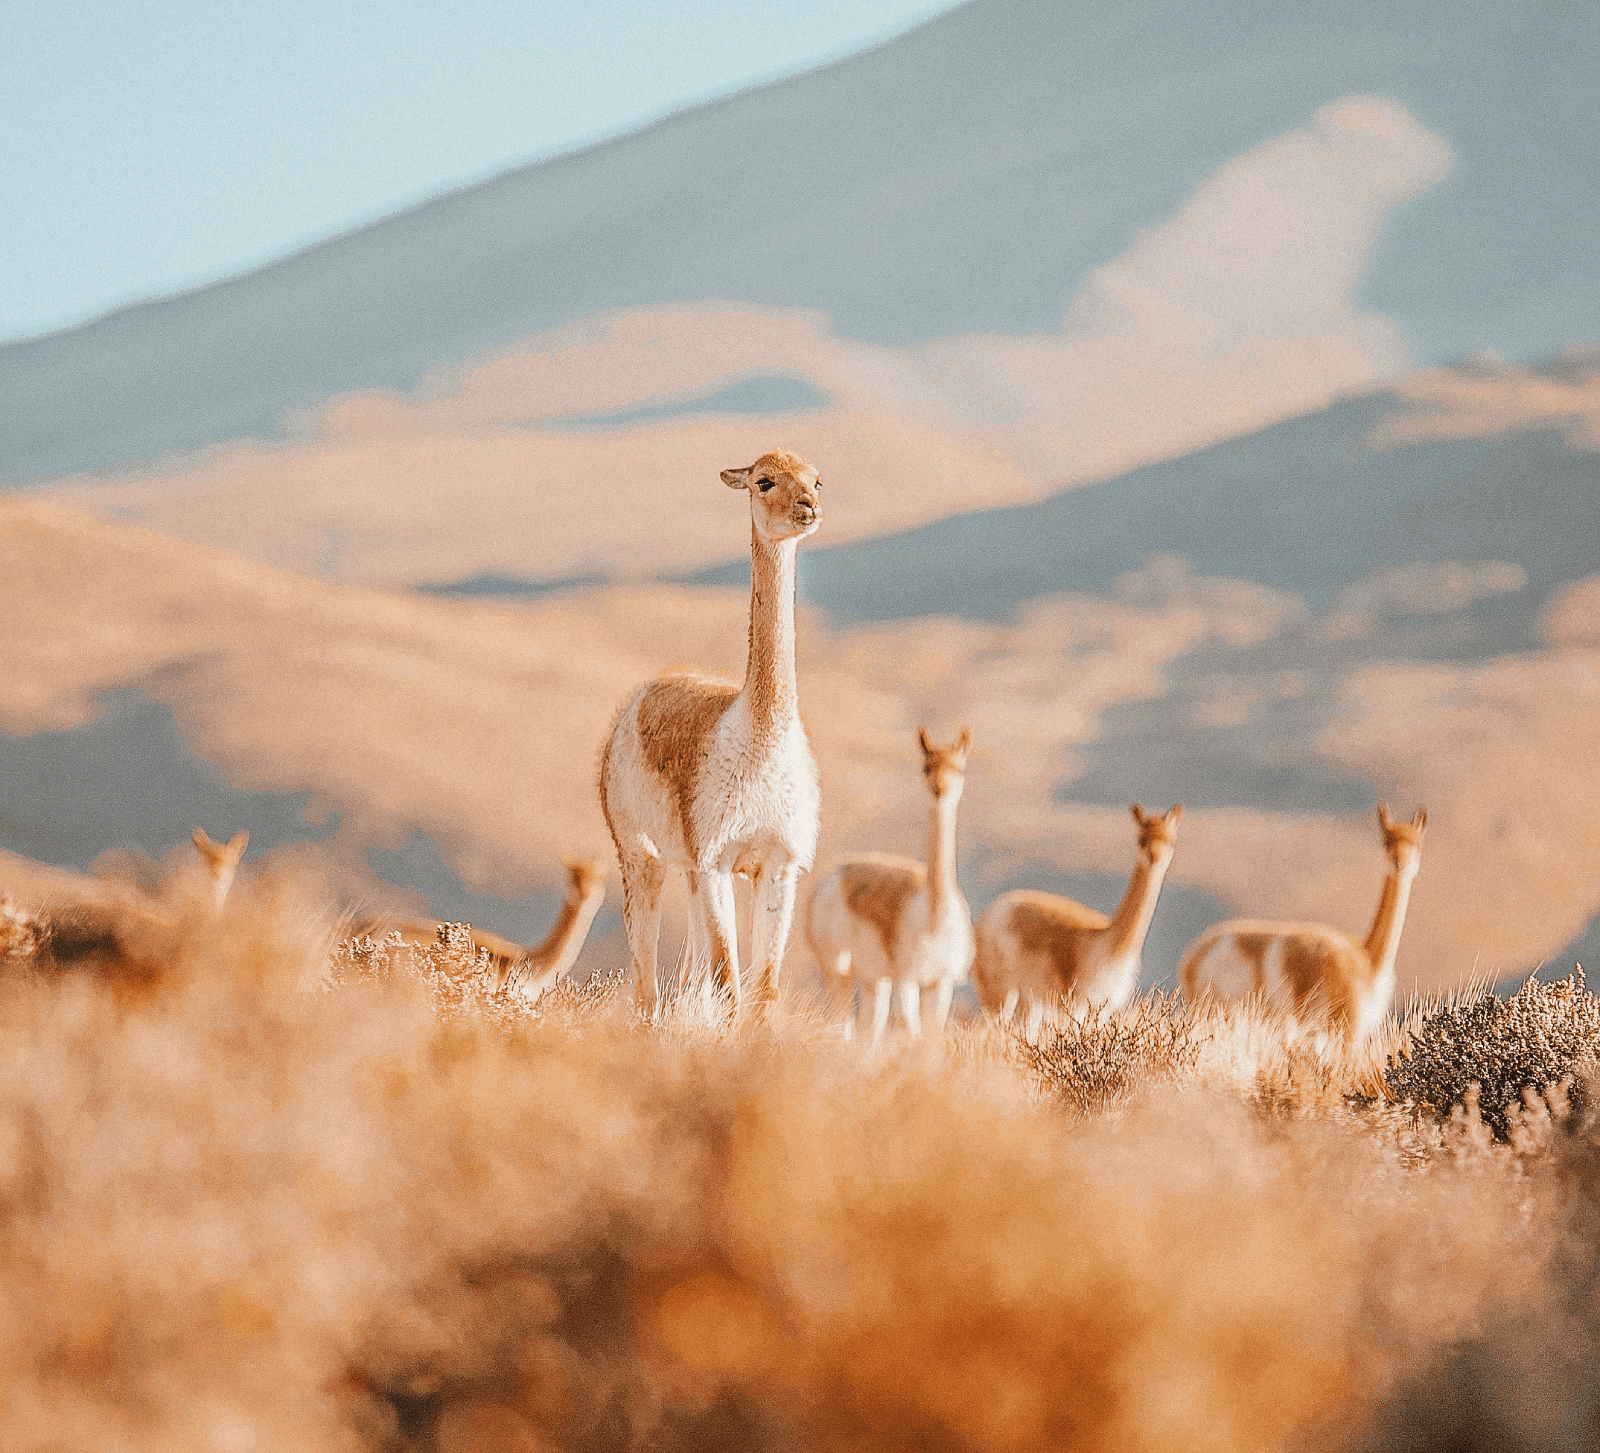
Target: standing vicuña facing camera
x=716, y=779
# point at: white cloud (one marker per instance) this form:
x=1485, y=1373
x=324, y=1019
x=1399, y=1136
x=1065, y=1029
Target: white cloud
x=1235, y=313
x=1272, y=243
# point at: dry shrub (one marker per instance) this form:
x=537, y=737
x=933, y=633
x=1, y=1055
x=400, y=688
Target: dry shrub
x=1544, y=1035
x=237, y=1217
x=1093, y=1062
x=457, y=980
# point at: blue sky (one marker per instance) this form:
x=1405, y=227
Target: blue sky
x=149, y=147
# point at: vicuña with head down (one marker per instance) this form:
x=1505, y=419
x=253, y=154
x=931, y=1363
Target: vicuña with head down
x=716, y=779
x=1308, y=969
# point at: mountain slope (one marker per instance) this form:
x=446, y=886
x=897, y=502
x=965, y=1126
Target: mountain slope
x=1302, y=506
x=964, y=177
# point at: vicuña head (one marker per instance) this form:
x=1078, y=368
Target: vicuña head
x=221, y=862
x=715, y=779
x=784, y=500
x=945, y=768
x=1402, y=841
x=1158, y=833
x=893, y=926
x=1054, y=955
x=1309, y=970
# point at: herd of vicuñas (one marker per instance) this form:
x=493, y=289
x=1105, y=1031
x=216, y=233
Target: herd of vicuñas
x=716, y=780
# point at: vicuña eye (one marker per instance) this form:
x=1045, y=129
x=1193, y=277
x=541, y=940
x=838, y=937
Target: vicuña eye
x=819, y=484
x=765, y=485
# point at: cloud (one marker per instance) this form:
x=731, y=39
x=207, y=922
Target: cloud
x=1419, y=588
x=1235, y=313
x=1492, y=397
x=1573, y=618
x=1272, y=244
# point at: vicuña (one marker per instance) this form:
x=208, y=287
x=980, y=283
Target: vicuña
x=527, y=970
x=1054, y=955
x=716, y=779
x=891, y=924
x=1308, y=969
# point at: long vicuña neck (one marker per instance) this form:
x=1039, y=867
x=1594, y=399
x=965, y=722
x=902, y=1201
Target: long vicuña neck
x=942, y=888
x=561, y=945
x=1131, y=922
x=1383, y=943
x=770, y=688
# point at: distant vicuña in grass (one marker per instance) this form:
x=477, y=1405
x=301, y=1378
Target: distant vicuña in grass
x=1053, y=955
x=529, y=970
x=890, y=923
x=1310, y=969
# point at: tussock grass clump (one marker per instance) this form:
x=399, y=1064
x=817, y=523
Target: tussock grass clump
x=1091, y=1063
x=20, y=933
x=1545, y=1035
x=457, y=980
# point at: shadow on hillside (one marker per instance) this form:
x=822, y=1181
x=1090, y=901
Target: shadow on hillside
x=129, y=777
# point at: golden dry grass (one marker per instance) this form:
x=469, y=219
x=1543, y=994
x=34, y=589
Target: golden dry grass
x=263, y=1205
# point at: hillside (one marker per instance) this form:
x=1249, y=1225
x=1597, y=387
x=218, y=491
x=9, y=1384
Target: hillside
x=964, y=178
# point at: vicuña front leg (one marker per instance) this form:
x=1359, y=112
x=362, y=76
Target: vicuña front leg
x=911, y=1007
x=722, y=931
x=697, y=942
x=771, y=916
x=841, y=990
x=882, y=1000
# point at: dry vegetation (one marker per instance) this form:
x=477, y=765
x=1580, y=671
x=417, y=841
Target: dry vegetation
x=277, y=1200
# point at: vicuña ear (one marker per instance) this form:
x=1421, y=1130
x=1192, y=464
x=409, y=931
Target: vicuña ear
x=1420, y=821
x=1384, y=820
x=1138, y=813
x=1175, y=813
x=239, y=842
x=200, y=840
x=737, y=478
x=922, y=739
x=964, y=741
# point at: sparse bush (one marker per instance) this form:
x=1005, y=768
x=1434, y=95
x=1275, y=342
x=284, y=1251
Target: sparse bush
x=457, y=979
x=1544, y=1035
x=1091, y=1063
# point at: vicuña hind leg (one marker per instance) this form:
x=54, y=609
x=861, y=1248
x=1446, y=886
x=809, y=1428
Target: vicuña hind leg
x=641, y=915
x=697, y=943
x=941, y=1003
x=841, y=993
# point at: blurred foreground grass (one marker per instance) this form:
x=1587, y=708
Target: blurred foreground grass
x=269, y=1199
